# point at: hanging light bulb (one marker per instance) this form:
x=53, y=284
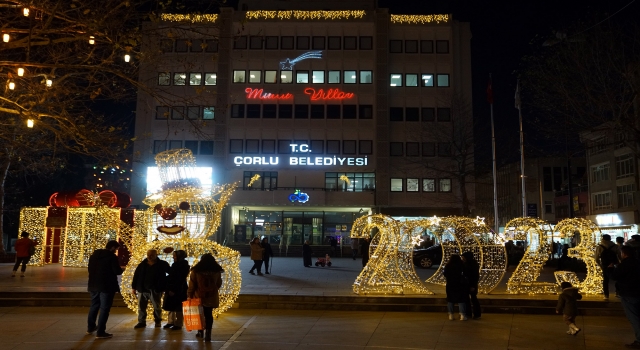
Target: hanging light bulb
x=127, y=58
x=92, y=40
x=25, y=11
x=6, y=37
x=20, y=71
x=12, y=85
x=49, y=82
x=29, y=123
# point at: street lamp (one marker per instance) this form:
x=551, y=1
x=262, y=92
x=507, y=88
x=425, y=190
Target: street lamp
x=6, y=37
x=29, y=123
x=127, y=58
x=20, y=72
x=12, y=85
x=49, y=82
x=25, y=11
x=91, y=40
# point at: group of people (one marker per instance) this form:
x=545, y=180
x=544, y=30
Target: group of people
x=261, y=253
x=152, y=278
x=462, y=274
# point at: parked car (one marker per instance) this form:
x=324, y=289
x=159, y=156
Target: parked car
x=427, y=257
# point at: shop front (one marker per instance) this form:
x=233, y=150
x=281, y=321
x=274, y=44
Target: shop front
x=623, y=224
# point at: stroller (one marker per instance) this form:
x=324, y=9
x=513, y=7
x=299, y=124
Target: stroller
x=324, y=261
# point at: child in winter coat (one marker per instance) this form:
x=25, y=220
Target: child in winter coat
x=567, y=305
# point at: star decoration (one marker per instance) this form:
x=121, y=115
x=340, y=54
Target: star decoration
x=287, y=65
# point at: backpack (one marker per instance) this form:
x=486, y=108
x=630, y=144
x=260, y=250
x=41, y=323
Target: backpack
x=608, y=256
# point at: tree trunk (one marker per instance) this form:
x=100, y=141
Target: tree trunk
x=4, y=172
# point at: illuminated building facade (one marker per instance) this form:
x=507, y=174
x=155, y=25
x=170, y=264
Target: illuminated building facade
x=342, y=109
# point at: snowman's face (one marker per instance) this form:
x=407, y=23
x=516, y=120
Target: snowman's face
x=190, y=219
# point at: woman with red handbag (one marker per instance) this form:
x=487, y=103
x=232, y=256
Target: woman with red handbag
x=204, y=282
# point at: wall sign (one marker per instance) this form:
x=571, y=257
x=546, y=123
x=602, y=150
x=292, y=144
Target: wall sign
x=298, y=196
x=296, y=160
x=288, y=64
x=315, y=95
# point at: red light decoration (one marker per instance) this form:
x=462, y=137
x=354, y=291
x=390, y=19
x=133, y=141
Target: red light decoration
x=331, y=94
x=261, y=95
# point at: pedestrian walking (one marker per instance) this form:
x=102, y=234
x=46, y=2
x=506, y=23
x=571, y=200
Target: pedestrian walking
x=457, y=286
x=364, y=248
x=25, y=248
x=176, y=291
x=266, y=254
x=149, y=281
x=103, y=286
x=354, y=248
x=306, y=254
x=204, y=283
x=568, y=306
x=256, y=255
x=605, y=255
x=627, y=277
x=563, y=258
x=472, y=272
x=333, y=242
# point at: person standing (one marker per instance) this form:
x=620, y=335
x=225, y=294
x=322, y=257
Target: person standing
x=568, y=306
x=472, y=272
x=627, y=277
x=634, y=243
x=256, y=255
x=364, y=248
x=204, y=283
x=149, y=281
x=354, y=248
x=333, y=242
x=457, y=286
x=266, y=254
x=103, y=286
x=306, y=254
x=23, y=247
x=620, y=244
x=176, y=291
x=606, y=254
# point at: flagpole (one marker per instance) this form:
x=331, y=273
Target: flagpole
x=522, y=176
x=493, y=149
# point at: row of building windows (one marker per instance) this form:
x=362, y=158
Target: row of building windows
x=415, y=185
x=299, y=111
x=358, y=182
x=253, y=146
x=426, y=80
x=189, y=45
x=304, y=77
x=624, y=168
x=602, y=200
x=418, y=46
x=191, y=78
x=197, y=147
x=416, y=114
x=185, y=112
x=415, y=149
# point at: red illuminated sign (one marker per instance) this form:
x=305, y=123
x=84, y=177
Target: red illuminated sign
x=319, y=95
x=261, y=95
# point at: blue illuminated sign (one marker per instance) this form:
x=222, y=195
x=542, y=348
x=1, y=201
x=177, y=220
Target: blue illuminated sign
x=298, y=196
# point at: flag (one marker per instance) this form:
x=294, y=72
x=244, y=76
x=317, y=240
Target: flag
x=518, y=103
x=489, y=91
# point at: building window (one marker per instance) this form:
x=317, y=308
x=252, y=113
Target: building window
x=443, y=79
x=271, y=42
x=255, y=76
x=426, y=46
x=166, y=45
x=270, y=76
x=208, y=113
x=396, y=114
x=366, y=43
x=317, y=111
x=624, y=166
x=348, y=147
x=335, y=43
x=317, y=76
x=349, y=111
x=413, y=149
x=442, y=46
x=428, y=149
x=302, y=77
x=252, y=146
x=162, y=112
x=445, y=185
x=600, y=172
x=366, y=147
x=196, y=45
x=164, y=79
x=239, y=76
x=285, y=111
x=179, y=78
x=192, y=146
x=366, y=77
x=302, y=43
x=318, y=43
x=625, y=195
x=334, y=77
x=598, y=145
x=237, y=111
x=255, y=43
x=444, y=149
x=284, y=146
x=301, y=111
x=358, y=182
x=240, y=43
x=268, y=146
x=411, y=79
x=548, y=207
x=181, y=45
x=427, y=80
x=366, y=112
x=396, y=149
x=428, y=185
x=286, y=43
x=195, y=79
x=395, y=46
x=159, y=146
x=206, y=148
x=286, y=77
x=428, y=114
x=317, y=146
x=396, y=79
x=333, y=147
x=267, y=181
x=349, y=77
x=412, y=114
x=211, y=46
x=333, y=111
x=175, y=144
x=413, y=185
x=253, y=111
x=235, y=146
x=410, y=46
x=269, y=111
x=396, y=185
x=193, y=112
x=177, y=113
x=350, y=43
x=210, y=78
x=444, y=114
x=601, y=200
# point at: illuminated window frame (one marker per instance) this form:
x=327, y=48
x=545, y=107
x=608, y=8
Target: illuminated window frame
x=395, y=79
x=397, y=184
x=164, y=79
x=415, y=83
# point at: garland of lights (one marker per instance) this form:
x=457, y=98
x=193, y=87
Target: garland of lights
x=390, y=268
x=33, y=220
x=419, y=19
x=192, y=18
x=585, y=250
x=87, y=229
x=305, y=15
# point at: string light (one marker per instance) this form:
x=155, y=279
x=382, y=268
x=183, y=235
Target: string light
x=127, y=58
x=20, y=71
x=305, y=15
x=192, y=18
x=25, y=11
x=12, y=85
x=29, y=123
x=6, y=37
x=49, y=82
x=33, y=220
x=419, y=19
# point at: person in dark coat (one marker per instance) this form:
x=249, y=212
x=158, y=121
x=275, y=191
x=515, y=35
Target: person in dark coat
x=22, y=248
x=457, y=286
x=472, y=272
x=627, y=277
x=176, y=291
x=267, y=253
x=148, y=284
x=103, y=286
x=568, y=306
x=306, y=254
x=256, y=255
x=204, y=283
x=364, y=249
